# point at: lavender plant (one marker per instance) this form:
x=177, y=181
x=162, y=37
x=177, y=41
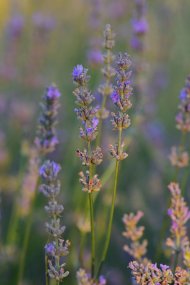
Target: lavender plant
x=177, y=272
x=56, y=248
x=45, y=143
x=120, y=121
x=88, y=115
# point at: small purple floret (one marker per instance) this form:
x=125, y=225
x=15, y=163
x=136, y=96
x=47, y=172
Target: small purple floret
x=140, y=26
x=50, y=248
x=78, y=72
x=49, y=170
x=115, y=97
x=170, y=212
x=52, y=92
x=102, y=280
x=164, y=267
x=183, y=94
x=95, y=122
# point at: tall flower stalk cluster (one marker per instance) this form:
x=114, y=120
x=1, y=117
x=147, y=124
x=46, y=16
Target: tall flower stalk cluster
x=90, y=116
x=120, y=121
x=57, y=247
x=178, y=270
x=89, y=157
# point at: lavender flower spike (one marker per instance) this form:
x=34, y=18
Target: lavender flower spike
x=57, y=247
x=46, y=136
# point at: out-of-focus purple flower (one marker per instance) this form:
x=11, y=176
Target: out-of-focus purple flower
x=136, y=43
x=15, y=26
x=52, y=92
x=43, y=22
x=170, y=212
x=95, y=57
x=102, y=280
x=140, y=26
x=49, y=170
x=50, y=248
x=183, y=94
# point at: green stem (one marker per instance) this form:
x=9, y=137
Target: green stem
x=98, y=139
x=14, y=219
x=176, y=257
x=104, y=100
x=92, y=234
x=91, y=219
x=46, y=270
x=81, y=248
x=25, y=246
x=114, y=192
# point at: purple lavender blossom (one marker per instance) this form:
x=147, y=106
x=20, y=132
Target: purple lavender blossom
x=80, y=74
x=136, y=43
x=92, y=128
x=115, y=97
x=102, y=280
x=46, y=137
x=50, y=249
x=15, y=26
x=52, y=92
x=95, y=122
x=140, y=26
x=95, y=57
x=49, y=170
x=170, y=212
x=164, y=267
x=183, y=94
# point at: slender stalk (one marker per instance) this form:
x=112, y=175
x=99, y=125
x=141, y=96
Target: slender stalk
x=98, y=140
x=114, y=192
x=105, y=177
x=25, y=245
x=46, y=271
x=91, y=208
x=92, y=234
x=14, y=219
x=176, y=257
x=104, y=100
x=57, y=261
x=81, y=247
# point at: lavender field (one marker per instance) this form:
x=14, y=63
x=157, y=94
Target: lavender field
x=94, y=142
